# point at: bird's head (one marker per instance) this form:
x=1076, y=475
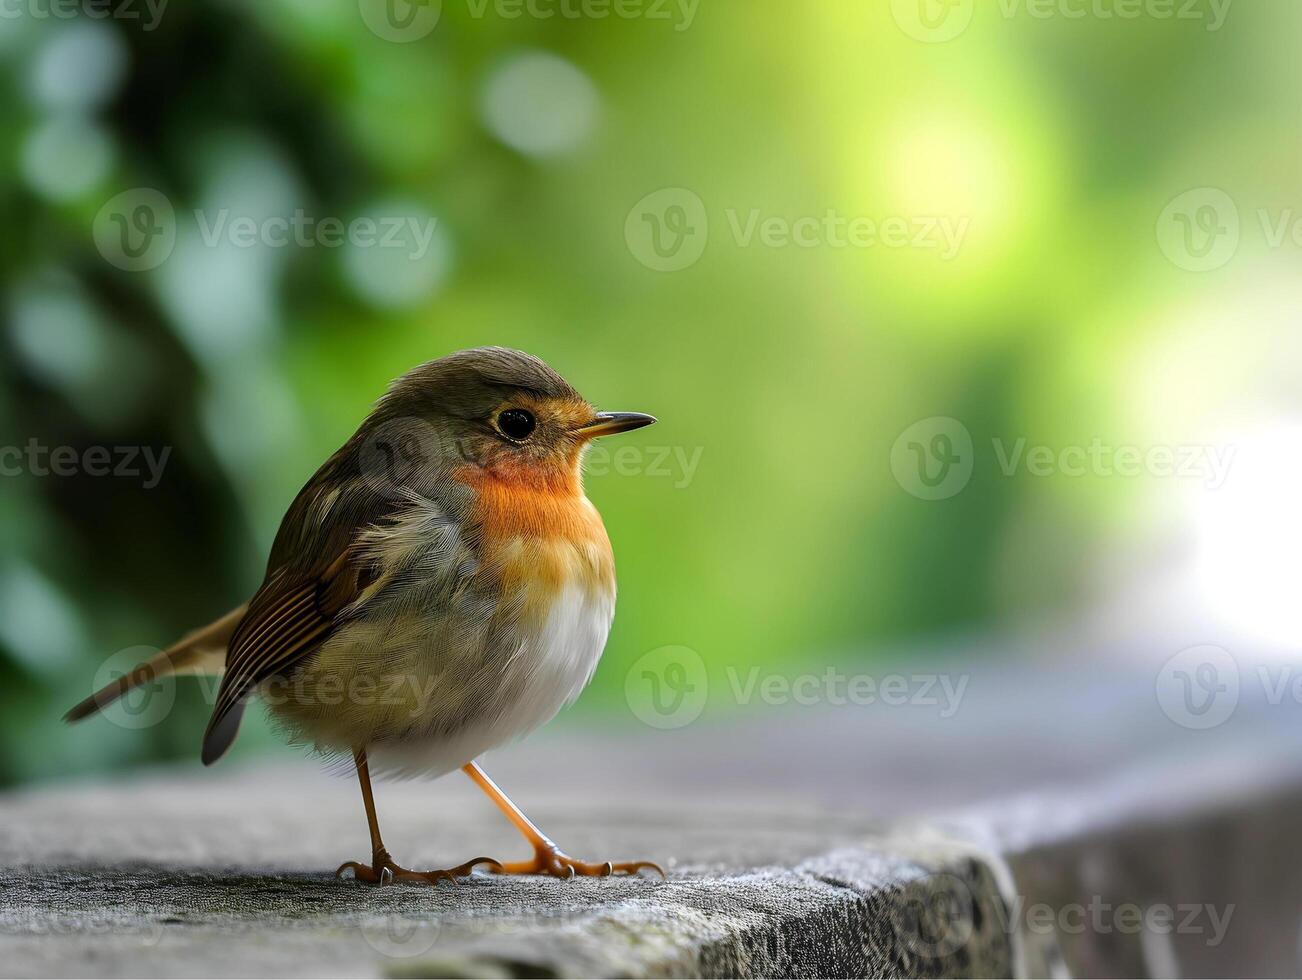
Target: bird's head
x=504, y=412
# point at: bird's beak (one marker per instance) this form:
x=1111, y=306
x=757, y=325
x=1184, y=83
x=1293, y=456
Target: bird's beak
x=608, y=423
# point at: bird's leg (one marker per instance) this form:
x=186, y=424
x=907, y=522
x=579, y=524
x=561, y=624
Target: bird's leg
x=548, y=859
x=382, y=868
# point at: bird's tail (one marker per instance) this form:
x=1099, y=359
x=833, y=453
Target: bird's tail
x=200, y=652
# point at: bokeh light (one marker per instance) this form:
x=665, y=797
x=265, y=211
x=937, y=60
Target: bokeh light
x=661, y=208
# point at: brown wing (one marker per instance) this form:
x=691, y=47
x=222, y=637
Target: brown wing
x=317, y=568
x=290, y=617
x=314, y=573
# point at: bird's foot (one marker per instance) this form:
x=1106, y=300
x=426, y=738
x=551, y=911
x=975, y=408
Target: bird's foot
x=383, y=870
x=548, y=859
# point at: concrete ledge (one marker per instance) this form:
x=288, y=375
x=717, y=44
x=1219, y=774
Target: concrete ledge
x=1160, y=851
x=855, y=912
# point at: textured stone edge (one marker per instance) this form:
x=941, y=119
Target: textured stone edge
x=897, y=907
x=908, y=907
x=924, y=902
x=953, y=901
x=914, y=908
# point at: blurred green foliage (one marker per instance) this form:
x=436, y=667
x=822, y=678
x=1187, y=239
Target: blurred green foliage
x=791, y=369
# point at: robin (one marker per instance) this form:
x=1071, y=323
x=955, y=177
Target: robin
x=440, y=586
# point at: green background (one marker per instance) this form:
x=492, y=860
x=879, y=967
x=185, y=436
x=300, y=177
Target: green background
x=1057, y=141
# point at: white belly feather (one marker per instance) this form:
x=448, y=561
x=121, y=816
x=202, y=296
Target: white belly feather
x=550, y=669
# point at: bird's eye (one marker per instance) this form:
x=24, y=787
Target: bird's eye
x=516, y=423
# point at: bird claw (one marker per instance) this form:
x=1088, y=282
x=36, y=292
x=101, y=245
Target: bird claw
x=389, y=872
x=634, y=868
x=347, y=866
x=548, y=859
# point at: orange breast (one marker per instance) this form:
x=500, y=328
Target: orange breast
x=539, y=533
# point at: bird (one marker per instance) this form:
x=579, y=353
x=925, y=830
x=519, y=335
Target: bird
x=440, y=586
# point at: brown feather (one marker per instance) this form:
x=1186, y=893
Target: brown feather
x=200, y=652
x=287, y=620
